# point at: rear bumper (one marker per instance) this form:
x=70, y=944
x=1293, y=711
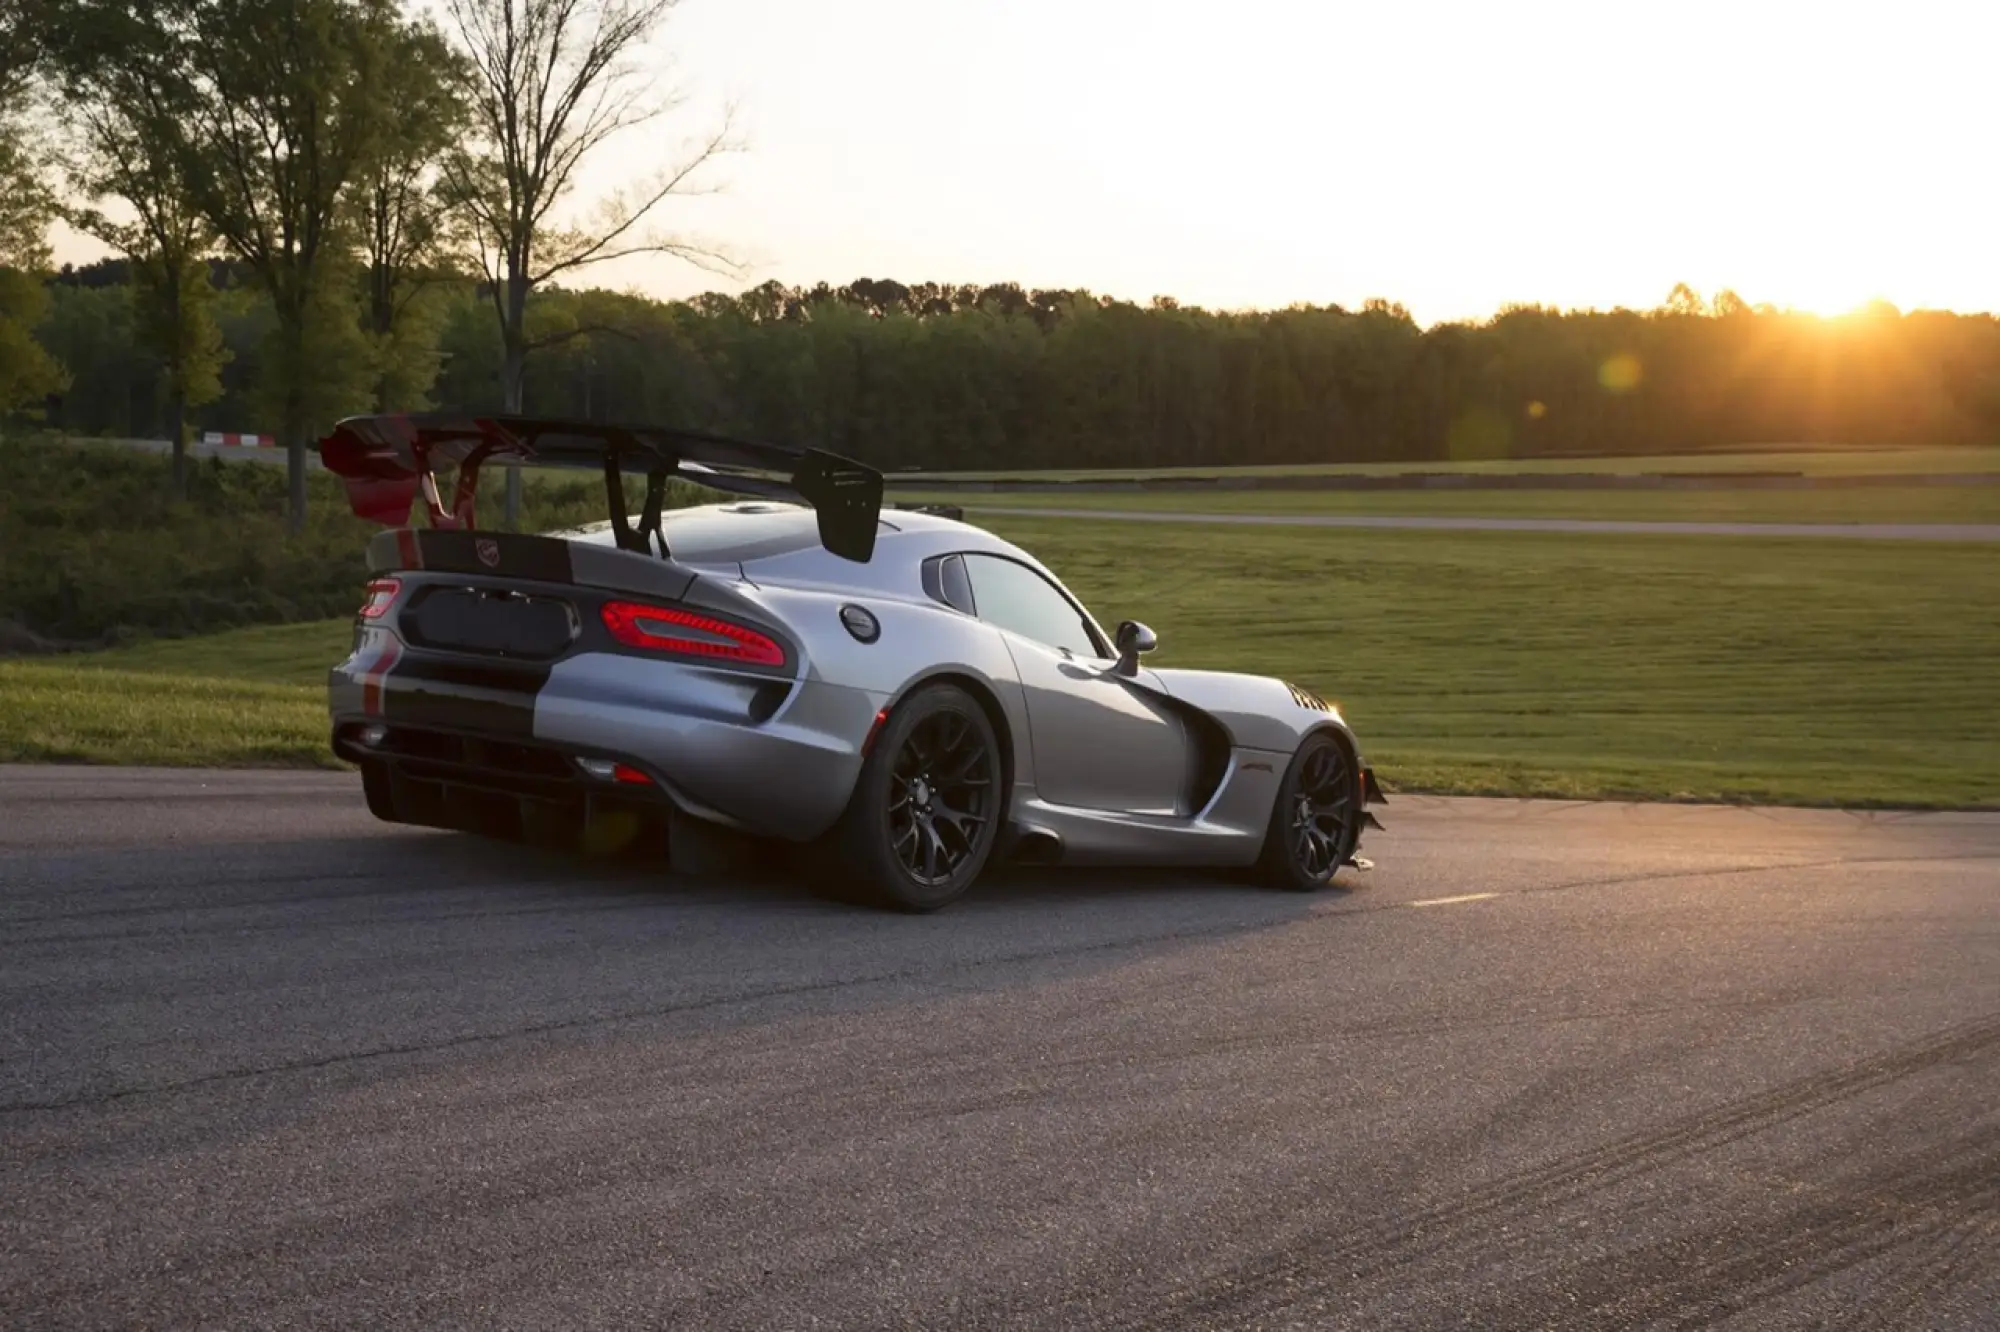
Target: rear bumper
x=724, y=748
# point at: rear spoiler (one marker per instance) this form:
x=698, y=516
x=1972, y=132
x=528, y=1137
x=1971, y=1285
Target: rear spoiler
x=386, y=460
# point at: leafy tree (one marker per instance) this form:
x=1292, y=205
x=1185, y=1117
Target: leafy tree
x=27, y=373
x=119, y=118
x=408, y=239
x=551, y=82
x=279, y=108
x=114, y=380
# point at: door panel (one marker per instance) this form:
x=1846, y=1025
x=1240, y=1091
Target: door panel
x=1098, y=742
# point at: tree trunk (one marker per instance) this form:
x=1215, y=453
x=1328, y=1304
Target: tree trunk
x=176, y=391
x=294, y=428
x=513, y=380
x=177, y=433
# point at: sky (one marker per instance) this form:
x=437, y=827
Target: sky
x=1453, y=157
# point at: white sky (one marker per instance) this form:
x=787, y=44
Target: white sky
x=1450, y=155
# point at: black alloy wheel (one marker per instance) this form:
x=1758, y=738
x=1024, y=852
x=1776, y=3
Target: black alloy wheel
x=940, y=796
x=926, y=811
x=1316, y=820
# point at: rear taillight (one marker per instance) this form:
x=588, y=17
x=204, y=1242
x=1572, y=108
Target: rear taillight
x=381, y=595
x=688, y=634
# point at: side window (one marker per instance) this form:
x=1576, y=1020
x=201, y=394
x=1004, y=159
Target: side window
x=945, y=580
x=957, y=587
x=1020, y=600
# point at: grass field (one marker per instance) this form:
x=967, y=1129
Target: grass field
x=1813, y=461
x=1883, y=504
x=1853, y=673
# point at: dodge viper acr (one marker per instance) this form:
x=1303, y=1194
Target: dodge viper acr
x=904, y=694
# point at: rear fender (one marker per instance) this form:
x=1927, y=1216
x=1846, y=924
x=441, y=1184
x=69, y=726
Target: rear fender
x=914, y=643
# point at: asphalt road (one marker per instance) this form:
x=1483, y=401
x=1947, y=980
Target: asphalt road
x=265, y=1063
x=1847, y=531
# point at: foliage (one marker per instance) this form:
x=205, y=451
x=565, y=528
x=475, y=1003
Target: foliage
x=118, y=113
x=108, y=556
x=113, y=377
x=27, y=373
x=409, y=238
x=1003, y=379
x=175, y=305
x=277, y=108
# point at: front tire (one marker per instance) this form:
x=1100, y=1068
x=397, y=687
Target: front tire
x=925, y=813
x=1316, y=819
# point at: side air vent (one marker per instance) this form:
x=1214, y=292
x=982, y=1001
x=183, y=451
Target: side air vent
x=1306, y=698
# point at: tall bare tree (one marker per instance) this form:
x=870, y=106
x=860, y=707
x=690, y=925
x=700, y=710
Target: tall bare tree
x=552, y=81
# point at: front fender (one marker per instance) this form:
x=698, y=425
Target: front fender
x=1257, y=711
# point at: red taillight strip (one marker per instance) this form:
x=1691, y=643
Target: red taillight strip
x=629, y=623
x=381, y=595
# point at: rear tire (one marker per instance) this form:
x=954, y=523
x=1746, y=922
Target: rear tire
x=1316, y=819
x=926, y=811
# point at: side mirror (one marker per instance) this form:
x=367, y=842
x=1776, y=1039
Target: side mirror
x=1133, y=639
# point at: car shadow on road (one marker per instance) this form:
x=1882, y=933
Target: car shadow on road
x=768, y=880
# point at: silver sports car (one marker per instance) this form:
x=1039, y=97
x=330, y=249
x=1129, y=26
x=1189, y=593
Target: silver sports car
x=912, y=697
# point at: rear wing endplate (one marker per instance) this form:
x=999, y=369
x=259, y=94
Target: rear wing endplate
x=387, y=460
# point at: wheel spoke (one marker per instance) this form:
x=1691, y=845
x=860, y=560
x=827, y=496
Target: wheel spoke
x=965, y=824
x=960, y=764
x=932, y=846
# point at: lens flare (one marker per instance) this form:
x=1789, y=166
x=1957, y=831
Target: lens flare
x=1620, y=374
x=1537, y=410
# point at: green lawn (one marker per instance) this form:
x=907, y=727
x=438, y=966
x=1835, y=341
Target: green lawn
x=283, y=654
x=1883, y=504
x=1657, y=667
x=1814, y=461
x=57, y=712
x=244, y=697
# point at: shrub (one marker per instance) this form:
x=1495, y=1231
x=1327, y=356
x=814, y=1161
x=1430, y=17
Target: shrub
x=94, y=550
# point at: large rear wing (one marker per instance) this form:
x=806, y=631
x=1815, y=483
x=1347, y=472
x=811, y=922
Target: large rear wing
x=387, y=460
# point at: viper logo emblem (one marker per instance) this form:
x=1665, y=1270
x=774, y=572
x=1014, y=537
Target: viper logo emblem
x=489, y=552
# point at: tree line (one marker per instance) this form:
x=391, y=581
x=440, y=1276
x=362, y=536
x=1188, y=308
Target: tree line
x=940, y=377
x=328, y=206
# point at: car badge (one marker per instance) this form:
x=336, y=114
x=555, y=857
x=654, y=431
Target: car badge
x=489, y=552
